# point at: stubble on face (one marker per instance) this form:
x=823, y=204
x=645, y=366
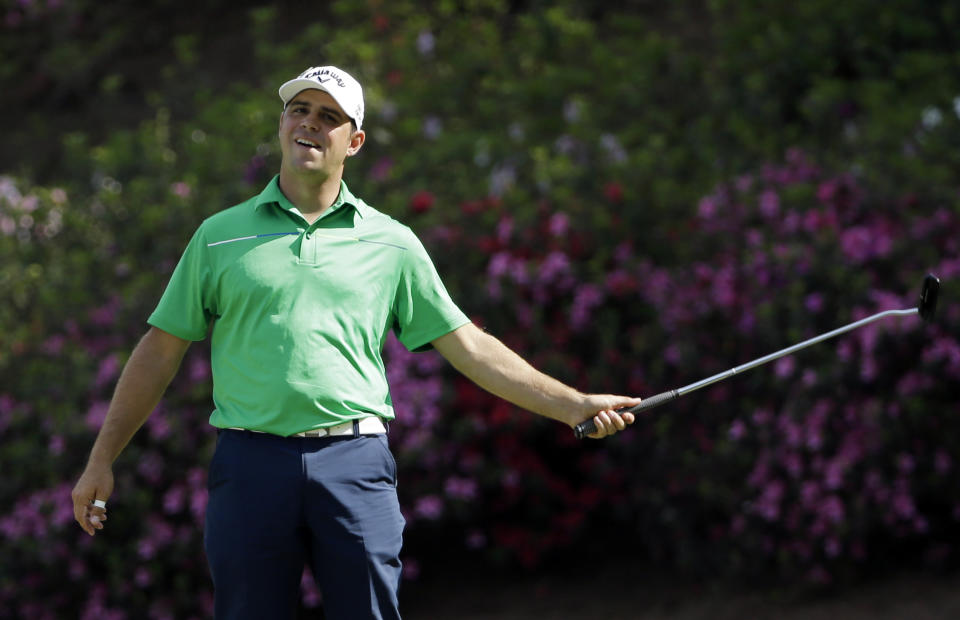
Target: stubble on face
x=315, y=136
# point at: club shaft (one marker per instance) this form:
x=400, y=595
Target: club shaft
x=792, y=349
x=587, y=426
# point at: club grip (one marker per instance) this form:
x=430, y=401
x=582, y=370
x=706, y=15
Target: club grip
x=587, y=426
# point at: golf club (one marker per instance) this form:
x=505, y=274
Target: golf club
x=926, y=308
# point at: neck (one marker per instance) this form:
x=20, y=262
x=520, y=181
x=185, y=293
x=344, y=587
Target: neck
x=310, y=196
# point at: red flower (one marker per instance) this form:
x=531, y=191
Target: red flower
x=471, y=207
x=613, y=191
x=422, y=201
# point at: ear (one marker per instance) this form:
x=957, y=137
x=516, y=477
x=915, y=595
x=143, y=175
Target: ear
x=356, y=141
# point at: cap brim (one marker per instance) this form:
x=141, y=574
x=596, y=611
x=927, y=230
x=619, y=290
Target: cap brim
x=290, y=89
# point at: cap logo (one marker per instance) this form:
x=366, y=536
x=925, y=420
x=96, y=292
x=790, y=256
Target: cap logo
x=322, y=76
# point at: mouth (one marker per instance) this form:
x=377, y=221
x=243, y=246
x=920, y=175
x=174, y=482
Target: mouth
x=304, y=142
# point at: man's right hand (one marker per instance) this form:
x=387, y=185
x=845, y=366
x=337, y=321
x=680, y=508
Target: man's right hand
x=145, y=376
x=96, y=483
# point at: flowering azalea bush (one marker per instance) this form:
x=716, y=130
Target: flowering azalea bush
x=826, y=461
x=624, y=235
x=835, y=458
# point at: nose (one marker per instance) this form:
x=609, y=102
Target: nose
x=309, y=123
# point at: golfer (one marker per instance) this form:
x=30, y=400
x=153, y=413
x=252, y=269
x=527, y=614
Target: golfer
x=298, y=287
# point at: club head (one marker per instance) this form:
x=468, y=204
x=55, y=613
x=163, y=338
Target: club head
x=928, y=297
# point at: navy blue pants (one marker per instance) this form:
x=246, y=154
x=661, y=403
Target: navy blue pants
x=277, y=503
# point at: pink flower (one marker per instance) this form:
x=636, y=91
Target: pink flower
x=559, y=224
x=707, y=208
x=784, y=367
x=158, y=425
x=173, y=500
x=942, y=463
x=499, y=264
x=813, y=302
x=146, y=549
x=832, y=509
x=461, y=488
x=96, y=414
x=105, y=315
x=108, y=371
x=476, y=540
x=510, y=479
x=809, y=493
x=411, y=569
x=587, y=297
x=56, y=445
x=198, y=503
x=151, y=467
x=737, y=430
x=793, y=464
x=906, y=463
x=180, y=189
x=723, y=287
x=903, y=505
x=762, y=417
x=518, y=271
x=620, y=282
x=309, y=593
x=553, y=267
x=8, y=226
x=142, y=577
x=791, y=431
x=429, y=507
x=857, y=244
x=504, y=229
x=833, y=476
x=54, y=344
x=381, y=169
x=254, y=168
x=199, y=369
x=946, y=350
x=826, y=190
x=768, y=504
x=790, y=222
x=769, y=204
x=831, y=547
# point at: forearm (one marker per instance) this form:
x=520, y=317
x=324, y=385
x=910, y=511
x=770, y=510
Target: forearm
x=496, y=368
x=146, y=375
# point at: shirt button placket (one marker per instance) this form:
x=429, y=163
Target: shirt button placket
x=308, y=250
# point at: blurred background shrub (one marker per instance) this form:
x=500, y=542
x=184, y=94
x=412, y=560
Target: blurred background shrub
x=634, y=195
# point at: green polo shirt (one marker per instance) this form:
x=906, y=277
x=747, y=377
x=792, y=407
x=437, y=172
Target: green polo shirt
x=300, y=312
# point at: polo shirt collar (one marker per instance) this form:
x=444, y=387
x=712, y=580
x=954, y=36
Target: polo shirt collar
x=272, y=194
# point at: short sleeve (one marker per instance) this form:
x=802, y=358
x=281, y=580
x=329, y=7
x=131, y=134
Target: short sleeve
x=423, y=308
x=184, y=309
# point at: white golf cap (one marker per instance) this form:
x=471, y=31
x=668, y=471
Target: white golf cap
x=344, y=89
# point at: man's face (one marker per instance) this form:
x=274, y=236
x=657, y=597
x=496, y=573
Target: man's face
x=316, y=136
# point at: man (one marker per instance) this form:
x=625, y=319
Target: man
x=301, y=284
